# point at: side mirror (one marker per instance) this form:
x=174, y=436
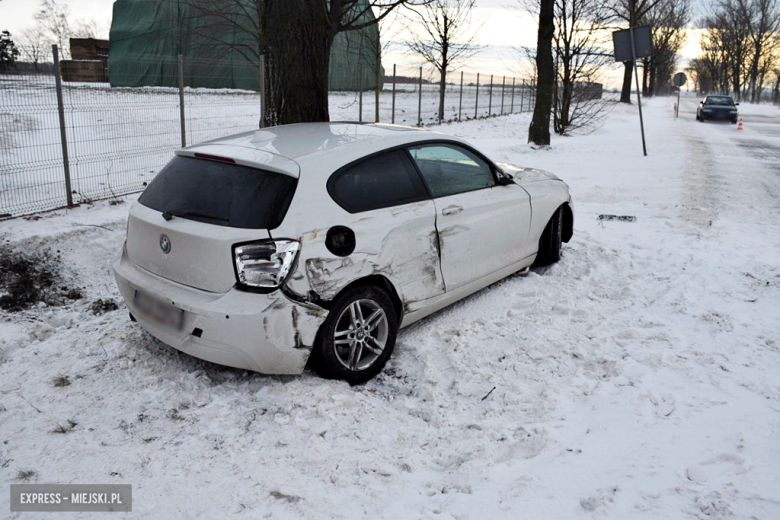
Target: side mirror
x=736, y=104
x=505, y=180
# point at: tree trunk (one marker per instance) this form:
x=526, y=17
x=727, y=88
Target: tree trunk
x=625, y=94
x=776, y=93
x=442, y=87
x=645, y=73
x=563, y=112
x=297, y=42
x=652, y=90
x=539, y=131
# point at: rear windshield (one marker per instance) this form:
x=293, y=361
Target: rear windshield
x=719, y=100
x=220, y=193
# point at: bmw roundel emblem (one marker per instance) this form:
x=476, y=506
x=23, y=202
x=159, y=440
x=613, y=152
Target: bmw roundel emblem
x=165, y=244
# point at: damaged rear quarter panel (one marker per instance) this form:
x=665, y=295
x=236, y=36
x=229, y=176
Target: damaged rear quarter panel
x=399, y=243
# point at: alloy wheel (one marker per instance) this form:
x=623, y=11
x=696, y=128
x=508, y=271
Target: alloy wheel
x=360, y=334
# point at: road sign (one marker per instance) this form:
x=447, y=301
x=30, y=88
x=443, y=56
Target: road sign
x=643, y=43
x=678, y=80
x=633, y=44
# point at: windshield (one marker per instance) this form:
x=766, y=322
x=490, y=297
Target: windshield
x=719, y=100
x=219, y=193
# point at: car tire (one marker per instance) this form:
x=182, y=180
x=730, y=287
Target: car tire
x=550, y=241
x=348, y=343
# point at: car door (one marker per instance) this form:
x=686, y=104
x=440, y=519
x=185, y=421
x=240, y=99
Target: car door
x=394, y=224
x=482, y=225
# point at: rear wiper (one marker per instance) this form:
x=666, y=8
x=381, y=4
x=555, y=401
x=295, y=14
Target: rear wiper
x=181, y=212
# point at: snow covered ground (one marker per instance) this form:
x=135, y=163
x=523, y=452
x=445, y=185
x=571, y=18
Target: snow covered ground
x=637, y=378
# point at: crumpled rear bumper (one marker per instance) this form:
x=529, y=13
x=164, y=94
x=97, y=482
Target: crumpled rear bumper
x=267, y=333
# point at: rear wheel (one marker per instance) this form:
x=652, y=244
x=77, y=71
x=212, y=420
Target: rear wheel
x=358, y=336
x=550, y=241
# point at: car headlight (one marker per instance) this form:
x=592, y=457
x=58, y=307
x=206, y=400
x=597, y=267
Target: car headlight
x=733, y=110
x=266, y=264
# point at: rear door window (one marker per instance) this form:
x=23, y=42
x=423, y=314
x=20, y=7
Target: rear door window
x=379, y=182
x=220, y=193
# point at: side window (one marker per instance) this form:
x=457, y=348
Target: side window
x=380, y=182
x=450, y=169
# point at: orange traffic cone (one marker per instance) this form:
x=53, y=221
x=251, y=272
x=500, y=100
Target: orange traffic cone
x=740, y=124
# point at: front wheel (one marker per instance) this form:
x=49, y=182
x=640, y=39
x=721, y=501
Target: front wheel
x=550, y=241
x=358, y=336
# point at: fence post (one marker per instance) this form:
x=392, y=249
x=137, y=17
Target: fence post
x=419, y=101
x=181, y=102
x=490, y=96
x=522, y=95
x=476, y=101
x=360, y=93
x=392, y=117
x=512, y=103
x=262, y=89
x=460, y=102
x=503, y=84
x=376, y=93
x=63, y=137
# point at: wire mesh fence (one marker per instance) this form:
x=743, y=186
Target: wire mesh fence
x=115, y=138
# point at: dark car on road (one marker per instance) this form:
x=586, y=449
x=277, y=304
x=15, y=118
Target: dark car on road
x=719, y=108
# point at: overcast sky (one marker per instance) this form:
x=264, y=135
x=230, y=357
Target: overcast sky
x=505, y=29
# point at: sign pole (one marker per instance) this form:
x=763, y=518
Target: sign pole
x=638, y=92
x=677, y=112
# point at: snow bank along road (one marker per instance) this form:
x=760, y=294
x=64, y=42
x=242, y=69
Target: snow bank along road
x=637, y=378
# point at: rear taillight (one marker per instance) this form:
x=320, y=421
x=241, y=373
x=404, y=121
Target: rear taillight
x=266, y=264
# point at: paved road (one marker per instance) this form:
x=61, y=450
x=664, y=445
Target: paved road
x=760, y=138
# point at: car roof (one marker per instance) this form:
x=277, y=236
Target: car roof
x=326, y=145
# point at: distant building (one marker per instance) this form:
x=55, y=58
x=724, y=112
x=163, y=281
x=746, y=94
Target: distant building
x=88, y=63
x=587, y=91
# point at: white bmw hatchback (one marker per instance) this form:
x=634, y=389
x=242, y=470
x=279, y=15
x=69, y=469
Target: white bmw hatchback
x=317, y=242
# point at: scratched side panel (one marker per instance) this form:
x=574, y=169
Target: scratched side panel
x=399, y=243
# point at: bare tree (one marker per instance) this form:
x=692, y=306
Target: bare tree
x=764, y=26
x=668, y=20
x=54, y=19
x=444, y=36
x=740, y=44
x=35, y=45
x=539, y=130
x=578, y=45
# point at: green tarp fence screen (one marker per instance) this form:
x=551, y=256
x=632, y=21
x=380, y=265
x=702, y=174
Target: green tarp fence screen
x=148, y=35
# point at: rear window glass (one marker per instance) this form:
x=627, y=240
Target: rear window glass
x=380, y=182
x=220, y=193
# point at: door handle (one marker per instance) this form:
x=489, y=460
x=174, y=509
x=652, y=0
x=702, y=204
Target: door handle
x=451, y=210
